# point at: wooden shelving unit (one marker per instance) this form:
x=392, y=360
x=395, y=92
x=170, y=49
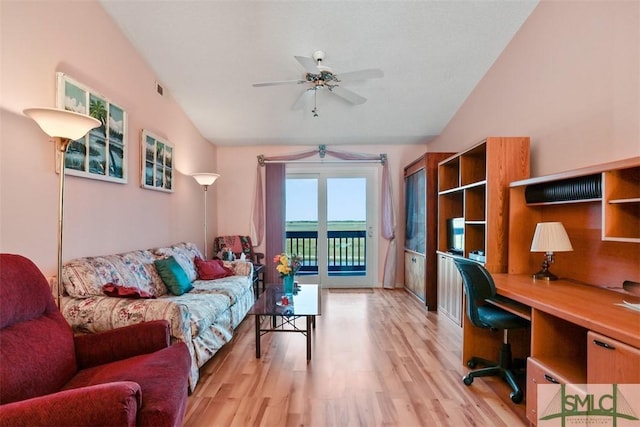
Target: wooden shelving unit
x=604, y=230
x=600, y=209
x=474, y=185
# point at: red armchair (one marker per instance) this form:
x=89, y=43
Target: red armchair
x=128, y=376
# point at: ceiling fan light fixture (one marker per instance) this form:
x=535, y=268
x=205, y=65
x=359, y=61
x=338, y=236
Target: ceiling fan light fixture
x=318, y=76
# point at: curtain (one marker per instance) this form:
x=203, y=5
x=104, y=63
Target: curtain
x=275, y=181
x=275, y=191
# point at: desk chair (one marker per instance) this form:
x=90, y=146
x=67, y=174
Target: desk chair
x=479, y=287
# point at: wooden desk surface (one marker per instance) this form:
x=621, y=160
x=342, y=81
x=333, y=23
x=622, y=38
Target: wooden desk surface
x=590, y=307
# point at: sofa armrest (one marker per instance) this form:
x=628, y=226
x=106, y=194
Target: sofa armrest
x=121, y=343
x=116, y=403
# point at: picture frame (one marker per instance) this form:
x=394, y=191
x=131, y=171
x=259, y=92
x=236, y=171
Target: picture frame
x=103, y=152
x=157, y=162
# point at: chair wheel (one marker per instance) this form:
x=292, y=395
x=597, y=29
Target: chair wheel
x=467, y=379
x=471, y=364
x=516, y=397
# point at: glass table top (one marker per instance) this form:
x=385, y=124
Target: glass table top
x=305, y=301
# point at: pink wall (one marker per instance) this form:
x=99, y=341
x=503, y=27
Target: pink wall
x=570, y=79
x=78, y=38
x=237, y=165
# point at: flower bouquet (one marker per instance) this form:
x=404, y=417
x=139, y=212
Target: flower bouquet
x=287, y=266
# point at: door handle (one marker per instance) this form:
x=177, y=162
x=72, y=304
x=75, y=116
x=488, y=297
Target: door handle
x=370, y=232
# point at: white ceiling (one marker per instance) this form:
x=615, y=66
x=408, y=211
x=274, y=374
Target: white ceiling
x=207, y=54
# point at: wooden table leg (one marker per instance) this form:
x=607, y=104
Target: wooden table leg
x=257, y=336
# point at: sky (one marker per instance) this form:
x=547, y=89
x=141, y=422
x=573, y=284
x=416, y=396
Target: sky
x=346, y=199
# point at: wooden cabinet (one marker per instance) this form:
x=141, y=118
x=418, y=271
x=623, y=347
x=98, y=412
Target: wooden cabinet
x=562, y=360
x=449, y=289
x=420, y=187
x=474, y=185
x=600, y=209
x=473, y=189
x=610, y=361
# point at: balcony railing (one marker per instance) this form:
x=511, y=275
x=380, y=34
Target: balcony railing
x=346, y=251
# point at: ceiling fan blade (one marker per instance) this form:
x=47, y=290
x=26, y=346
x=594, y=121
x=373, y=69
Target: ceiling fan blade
x=348, y=95
x=371, y=73
x=308, y=64
x=303, y=99
x=283, y=82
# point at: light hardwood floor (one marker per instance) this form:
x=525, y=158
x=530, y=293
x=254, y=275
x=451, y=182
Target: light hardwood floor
x=378, y=359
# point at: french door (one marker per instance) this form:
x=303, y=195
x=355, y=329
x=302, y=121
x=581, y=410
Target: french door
x=331, y=221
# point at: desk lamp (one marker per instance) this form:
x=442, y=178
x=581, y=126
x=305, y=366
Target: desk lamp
x=549, y=237
x=205, y=179
x=63, y=126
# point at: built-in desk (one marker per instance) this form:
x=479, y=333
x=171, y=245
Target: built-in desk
x=590, y=307
x=578, y=333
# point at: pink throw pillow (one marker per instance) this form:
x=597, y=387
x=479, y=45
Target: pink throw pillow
x=211, y=270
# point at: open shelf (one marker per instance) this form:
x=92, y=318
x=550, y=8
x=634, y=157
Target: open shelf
x=621, y=205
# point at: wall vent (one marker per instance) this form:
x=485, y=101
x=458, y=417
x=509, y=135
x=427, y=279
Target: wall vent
x=571, y=189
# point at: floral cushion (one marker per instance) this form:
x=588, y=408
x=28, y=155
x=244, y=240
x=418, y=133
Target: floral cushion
x=85, y=277
x=184, y=253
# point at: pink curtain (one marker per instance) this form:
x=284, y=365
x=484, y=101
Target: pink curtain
x=275, y=181
x=388, y=218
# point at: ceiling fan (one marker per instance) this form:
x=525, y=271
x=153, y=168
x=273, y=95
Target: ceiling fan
x=318, y=76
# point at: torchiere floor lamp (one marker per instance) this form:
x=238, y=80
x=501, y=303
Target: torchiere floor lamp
x=63, y=126
x=205, y=179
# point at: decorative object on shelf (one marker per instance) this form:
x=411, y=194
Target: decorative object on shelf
x=102, y=152
x=549, y=237
x=64, y=127
x=205, y=179
x=157, y=163
x=288, y=266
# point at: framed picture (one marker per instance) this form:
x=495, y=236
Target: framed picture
x=101, y=153
x=157, y=162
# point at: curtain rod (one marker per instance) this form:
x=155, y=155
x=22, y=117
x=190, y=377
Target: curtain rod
x=264, y=161
x=322, y=152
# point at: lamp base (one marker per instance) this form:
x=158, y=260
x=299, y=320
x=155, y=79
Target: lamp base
x=544, y=274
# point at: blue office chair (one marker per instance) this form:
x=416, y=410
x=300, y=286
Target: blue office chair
x=479, y=287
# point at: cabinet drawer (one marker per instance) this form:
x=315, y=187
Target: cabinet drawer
x=538, y=373
x=610, y=361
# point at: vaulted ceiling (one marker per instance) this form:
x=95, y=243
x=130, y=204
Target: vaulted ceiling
x=208, y=53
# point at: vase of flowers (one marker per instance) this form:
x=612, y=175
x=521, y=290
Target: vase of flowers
x=287, y=266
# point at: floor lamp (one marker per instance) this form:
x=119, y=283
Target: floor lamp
x=205, y=179
x=63, y=126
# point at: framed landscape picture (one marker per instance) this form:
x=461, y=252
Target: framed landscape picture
x=101, y=153
x=157, y=162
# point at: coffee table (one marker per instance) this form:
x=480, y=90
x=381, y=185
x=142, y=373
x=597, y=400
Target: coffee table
x=306, y=304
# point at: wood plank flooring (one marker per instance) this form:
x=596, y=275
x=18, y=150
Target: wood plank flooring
x=378, y=359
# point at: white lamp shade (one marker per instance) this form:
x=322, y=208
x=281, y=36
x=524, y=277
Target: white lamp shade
x=62, y=123
x=205, y=178
x=550, y=237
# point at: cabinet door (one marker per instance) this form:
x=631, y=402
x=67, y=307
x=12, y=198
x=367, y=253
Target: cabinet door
x=611, y=362
x=414, y=274
x=449, y=289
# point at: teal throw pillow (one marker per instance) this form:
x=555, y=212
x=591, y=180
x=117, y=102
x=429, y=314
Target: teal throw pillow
x=173, y=276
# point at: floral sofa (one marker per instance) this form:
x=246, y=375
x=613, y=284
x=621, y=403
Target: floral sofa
x=204, y=317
